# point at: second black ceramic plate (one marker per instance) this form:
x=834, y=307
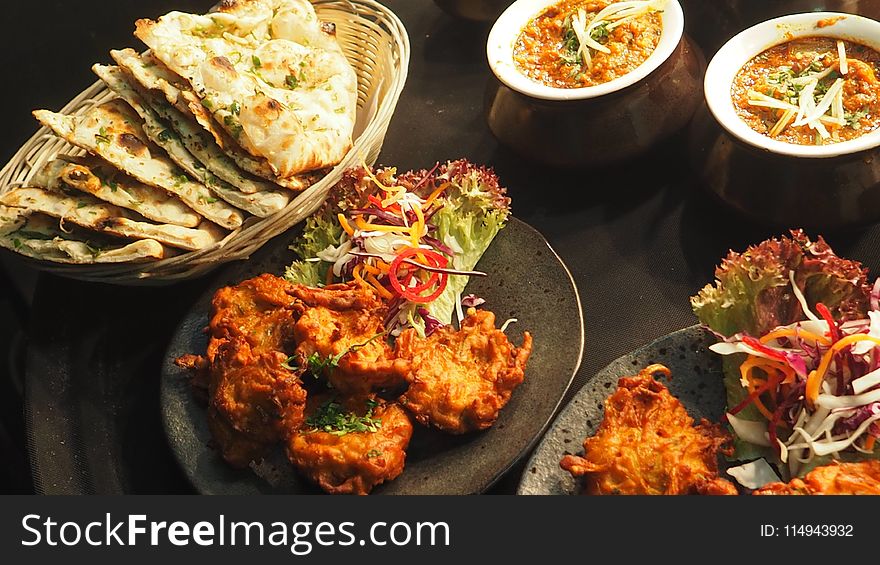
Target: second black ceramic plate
x=527, y=281
x=696, y=382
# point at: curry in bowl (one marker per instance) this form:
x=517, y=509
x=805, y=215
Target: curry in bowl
x=581, y=43
x=810, y=91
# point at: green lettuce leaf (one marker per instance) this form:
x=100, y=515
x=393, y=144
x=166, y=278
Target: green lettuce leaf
x=320, y=232
x=475, y=211
x=752, y=292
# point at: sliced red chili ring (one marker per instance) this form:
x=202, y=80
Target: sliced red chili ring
x=413, y=293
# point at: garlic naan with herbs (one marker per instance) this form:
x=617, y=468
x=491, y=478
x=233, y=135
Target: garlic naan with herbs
x=272, y=75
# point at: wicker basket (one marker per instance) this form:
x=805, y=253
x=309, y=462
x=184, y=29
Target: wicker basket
x=377, y=46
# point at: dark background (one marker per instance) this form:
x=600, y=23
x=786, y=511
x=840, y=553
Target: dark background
x=639, y=238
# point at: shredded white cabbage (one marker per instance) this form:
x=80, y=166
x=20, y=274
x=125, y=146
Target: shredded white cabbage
x=754, y=474
x=800, y=298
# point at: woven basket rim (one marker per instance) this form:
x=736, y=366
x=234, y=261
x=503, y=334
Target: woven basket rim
x=372, y=17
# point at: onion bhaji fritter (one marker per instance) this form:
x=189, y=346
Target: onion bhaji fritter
x=648, y=444
x=838, y=478
x=460, y=379
x=351, y=446
x=253, y=399
x=345, y=322
x=266, y=333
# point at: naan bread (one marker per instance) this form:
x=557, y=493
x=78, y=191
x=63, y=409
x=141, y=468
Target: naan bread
x=152, y=74
x=272, y=75
x=261, y=204
x=113, y=132
x=183, y=109
x=38, y=237
x=89, y=212
x=91, y=175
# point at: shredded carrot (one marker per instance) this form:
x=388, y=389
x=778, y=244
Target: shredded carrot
x=753, y=384
x=814, y=381
x=356, y=273
x=436, y=193
x=869, y=443
x=344, y=223
x=366, y=226
x=371, y=269
x=418, y=227
x=383, y=292
x=795, y=333
x=762, y=409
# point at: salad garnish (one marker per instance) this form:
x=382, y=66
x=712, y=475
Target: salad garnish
x=414, y=238
x=799, y=329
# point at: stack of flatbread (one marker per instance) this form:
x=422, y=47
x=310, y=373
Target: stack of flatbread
x=226, y=116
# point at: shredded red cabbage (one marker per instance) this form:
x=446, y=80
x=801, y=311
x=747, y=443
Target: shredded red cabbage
x=862, y=413
x=472, y=301
x=431, y=323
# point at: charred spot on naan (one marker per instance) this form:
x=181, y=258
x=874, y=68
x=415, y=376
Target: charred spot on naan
x=133, y=145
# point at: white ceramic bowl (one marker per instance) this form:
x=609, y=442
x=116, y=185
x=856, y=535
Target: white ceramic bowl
x=754, y=41
x=510, y=24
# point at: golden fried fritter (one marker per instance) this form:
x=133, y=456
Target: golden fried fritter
x=345, y=323
x=838, y=478
x=460, y=379
x=258, y=309
x=254, y=401
x=648, y=444
x=341, y=461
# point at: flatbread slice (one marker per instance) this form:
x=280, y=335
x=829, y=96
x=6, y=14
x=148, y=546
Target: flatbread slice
x=261, y=204
x=152, y=74
x=38, y=237
x=89, y=212
x=113, y=132
x=185, y=112
x=91, y=175
x=271, y=74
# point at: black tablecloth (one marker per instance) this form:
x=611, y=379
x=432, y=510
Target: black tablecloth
x=639, y=238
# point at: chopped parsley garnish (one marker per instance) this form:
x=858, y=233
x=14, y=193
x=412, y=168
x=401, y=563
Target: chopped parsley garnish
x=320, y=366
x=235, y=108
x=600, y=33
x=291, y=82
x=101, y=136
x=571, y=44
x=256, y=61
x=373, y=453
x=332, y=418
x=165, y=135
x=854, y=119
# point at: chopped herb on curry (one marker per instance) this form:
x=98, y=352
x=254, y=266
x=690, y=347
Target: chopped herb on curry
x=810, y=91
x=579, y=43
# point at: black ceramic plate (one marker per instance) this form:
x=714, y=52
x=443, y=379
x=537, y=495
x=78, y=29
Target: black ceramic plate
x=527, y=281
x=696, y=382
